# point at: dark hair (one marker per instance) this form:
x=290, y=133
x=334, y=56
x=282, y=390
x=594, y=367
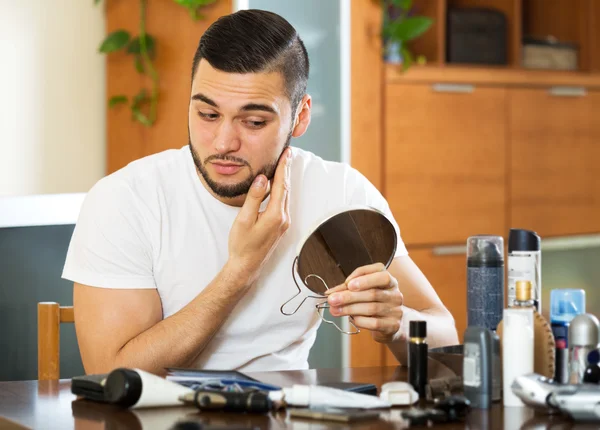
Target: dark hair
x=254, y=41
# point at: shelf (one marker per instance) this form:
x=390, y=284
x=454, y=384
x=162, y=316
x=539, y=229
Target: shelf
x=491, y=76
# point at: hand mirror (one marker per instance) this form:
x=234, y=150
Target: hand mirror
x=341, y=243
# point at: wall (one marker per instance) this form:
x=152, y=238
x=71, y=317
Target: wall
x=52, y=109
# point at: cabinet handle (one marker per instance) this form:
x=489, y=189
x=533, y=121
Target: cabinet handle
x=454, y=88
x=449, y=250
x=564, y=243
x=571, y=242
x=568, y=91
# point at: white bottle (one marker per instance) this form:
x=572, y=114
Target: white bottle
x=517, y=350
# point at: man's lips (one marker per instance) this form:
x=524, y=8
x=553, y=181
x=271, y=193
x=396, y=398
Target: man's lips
x=227, y=168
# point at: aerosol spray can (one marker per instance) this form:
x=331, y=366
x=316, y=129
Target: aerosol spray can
x=485, y=281
x=525, y=264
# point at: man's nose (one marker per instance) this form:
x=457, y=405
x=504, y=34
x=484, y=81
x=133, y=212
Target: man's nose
x=227, y=139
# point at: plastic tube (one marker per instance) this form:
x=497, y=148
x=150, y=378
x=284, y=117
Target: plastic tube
x=317, y=396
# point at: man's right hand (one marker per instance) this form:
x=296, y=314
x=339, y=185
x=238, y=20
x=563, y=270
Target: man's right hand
x=255, y=235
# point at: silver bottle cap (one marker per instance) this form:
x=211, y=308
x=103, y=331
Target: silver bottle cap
x=583, y=331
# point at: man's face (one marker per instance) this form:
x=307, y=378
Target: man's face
x=239, y=125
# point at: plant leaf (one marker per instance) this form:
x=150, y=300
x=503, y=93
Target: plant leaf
x=410, y=28
x=140, y=117
x=117, y=100
x=193, y=7
x=135, y=46
x=139, y=64
x=140, y=98
x=114, y=41
x=96, y=1
x=403, y=4
x=407, y=58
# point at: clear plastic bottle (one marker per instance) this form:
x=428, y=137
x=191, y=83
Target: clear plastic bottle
x=565, y=304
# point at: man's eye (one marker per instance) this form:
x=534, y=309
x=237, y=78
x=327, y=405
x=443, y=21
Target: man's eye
x=208, y=116
x=256, y=124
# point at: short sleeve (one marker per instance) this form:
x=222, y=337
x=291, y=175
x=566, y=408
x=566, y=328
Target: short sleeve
x=110, y=246
x=363, y=192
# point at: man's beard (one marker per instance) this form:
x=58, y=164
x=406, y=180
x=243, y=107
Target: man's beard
x=241, y=188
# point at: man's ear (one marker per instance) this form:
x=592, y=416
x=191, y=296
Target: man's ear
x=302, y=118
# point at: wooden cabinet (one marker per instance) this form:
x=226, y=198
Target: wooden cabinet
x=445, y=268
x=445, y=149
x=554, y=161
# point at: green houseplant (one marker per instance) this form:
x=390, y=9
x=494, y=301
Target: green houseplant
x=400, y=26
x=142, y=49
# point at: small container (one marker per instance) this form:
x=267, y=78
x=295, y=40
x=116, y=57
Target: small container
x=478, y=366
x=524, y=264
x=417, y=357
x=565, y=304
x=583, y=338
x=517, y=350
x=592, y=371
x=485, y=281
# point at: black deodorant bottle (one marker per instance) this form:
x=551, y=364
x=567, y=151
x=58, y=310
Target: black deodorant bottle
x=485, y=281
x=417, y=356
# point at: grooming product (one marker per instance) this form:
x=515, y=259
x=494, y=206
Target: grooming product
x=439, y=388
x=478, y=366
x=496, y=368
x=316, y=396
x=544, y=343
x=565, y=304
x=583, y=338
x=592, y=371
x=524, y=264
x=417, y=356
x=485, y=281
x=257, y=402
x=579, y=401
x=136, y=388
x=398, y=393
x=534, y=390
x=517, y=350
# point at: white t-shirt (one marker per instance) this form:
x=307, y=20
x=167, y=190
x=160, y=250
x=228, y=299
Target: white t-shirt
x=153, y=224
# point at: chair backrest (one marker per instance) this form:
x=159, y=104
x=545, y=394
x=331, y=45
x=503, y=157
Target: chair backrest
x=50, y=315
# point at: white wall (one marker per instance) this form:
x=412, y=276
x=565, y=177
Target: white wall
x=52, y=96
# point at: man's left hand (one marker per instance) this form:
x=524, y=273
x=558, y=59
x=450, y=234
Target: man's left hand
x=370, y=295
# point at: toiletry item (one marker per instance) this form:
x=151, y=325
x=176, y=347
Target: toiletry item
x=478, y=364
x=417, y=356
x=253, y=402
x=592, y=371
x=524, y=263
x=517, y=350
x=136, y=388
x=496, y=368
x=317, y=396
x=583, y=338
x=544, y=343
x=565, y=304
x=485, y=281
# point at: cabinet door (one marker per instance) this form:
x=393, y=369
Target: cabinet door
x=554, y=162
x=444, y=164
x=445, y=268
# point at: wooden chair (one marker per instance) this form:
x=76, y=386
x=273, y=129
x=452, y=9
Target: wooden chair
x=50, y=315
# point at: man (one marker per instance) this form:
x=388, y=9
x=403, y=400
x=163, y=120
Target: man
x=183, y=258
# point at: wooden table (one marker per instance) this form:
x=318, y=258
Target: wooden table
x=50, y=405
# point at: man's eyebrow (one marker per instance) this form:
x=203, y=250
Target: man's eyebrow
x=203, y=98
x=260, y=107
